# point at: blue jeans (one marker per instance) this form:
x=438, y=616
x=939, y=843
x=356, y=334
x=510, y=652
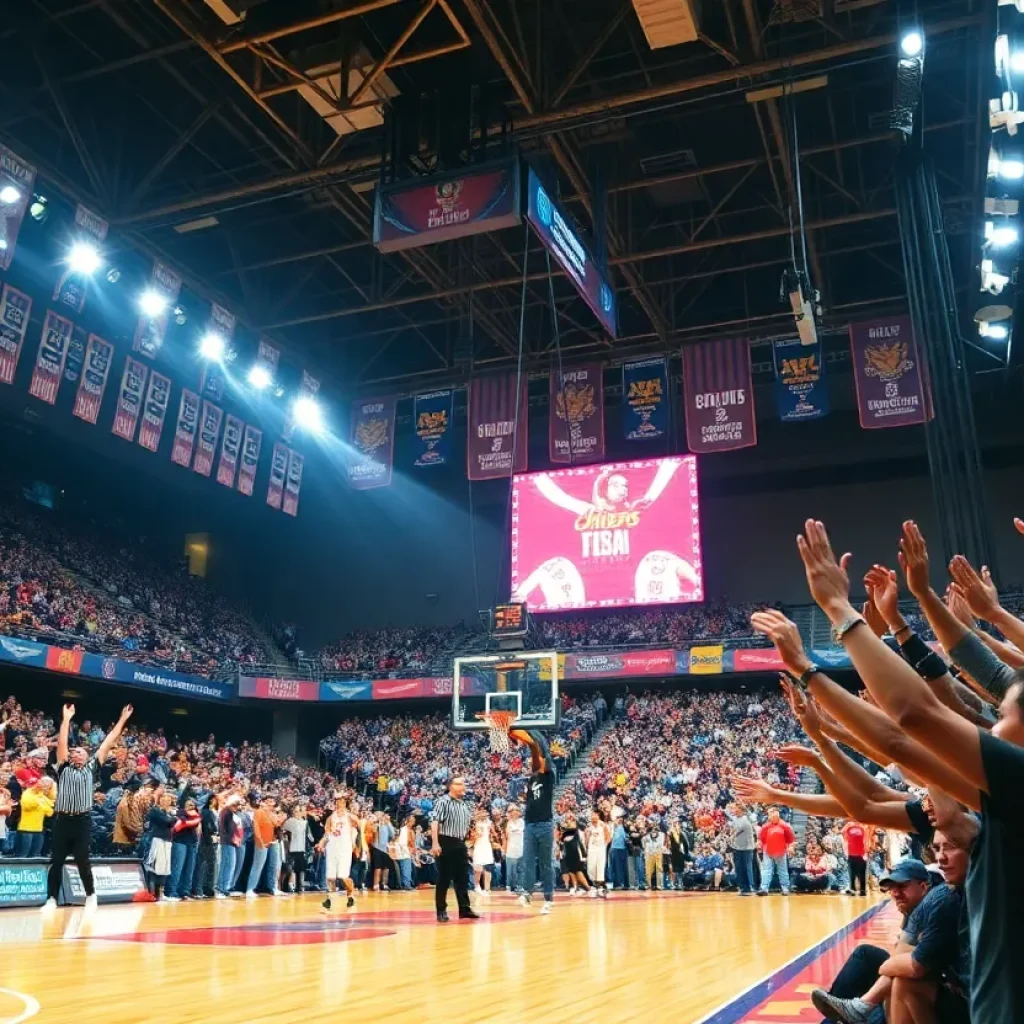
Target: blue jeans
x=28, y=844
x=259, y=862
x=514, y=873
x=538, y=853
x=771, y=866
x=744, y=861
x=320, y=871
x=404, y=872
x=273, y=872
x=239, y=863
x=183, y=867
x=640, y=868
x=226, y=875
x=618, y=867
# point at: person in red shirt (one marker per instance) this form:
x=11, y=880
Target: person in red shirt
x=855, y=838
x=775, y=841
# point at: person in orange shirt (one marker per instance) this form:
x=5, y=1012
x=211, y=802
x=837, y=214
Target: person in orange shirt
x=264, y=847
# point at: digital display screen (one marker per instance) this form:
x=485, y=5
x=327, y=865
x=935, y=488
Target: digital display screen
x=612, y=536
x=509, y=620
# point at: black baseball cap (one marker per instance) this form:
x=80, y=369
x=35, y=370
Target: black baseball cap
x=909, y=870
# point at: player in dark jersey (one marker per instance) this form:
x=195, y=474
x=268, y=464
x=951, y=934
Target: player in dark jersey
x=539, y=834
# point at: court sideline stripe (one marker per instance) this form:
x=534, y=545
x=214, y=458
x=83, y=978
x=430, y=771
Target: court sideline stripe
x=734, y=1010
x=31, y=1007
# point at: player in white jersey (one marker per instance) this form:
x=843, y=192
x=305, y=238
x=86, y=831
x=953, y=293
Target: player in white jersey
x=340, y=843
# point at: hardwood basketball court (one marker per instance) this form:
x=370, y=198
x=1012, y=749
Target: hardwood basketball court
x=719, y=958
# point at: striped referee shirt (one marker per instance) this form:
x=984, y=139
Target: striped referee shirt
x=453, y=817
x=75, y=786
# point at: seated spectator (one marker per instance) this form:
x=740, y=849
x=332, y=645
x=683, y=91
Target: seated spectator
x=814, y=876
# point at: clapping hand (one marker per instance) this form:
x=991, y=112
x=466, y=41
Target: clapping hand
x=914, y=559
x=978, y=590
x=827, y=578
x=884, y=591
x=793, y=753
x=956, y=602
x=803, y=705
x=754, y=791
x=786, y=637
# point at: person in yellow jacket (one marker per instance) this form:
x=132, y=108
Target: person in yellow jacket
x=36, y=806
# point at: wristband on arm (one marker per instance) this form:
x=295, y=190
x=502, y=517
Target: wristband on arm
x=924, y=661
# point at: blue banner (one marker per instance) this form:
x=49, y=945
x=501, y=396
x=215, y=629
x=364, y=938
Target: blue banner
x=76, y=354
x=800, y=389
x=645, y=399
x=150, y=678
x=23, y=652
x=432, y=418
x=341, y=690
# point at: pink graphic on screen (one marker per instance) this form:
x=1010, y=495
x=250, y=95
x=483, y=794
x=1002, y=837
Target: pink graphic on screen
x=610, y=536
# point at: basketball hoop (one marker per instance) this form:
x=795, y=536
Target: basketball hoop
x=498, y=725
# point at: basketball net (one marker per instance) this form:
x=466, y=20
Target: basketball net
x=498, y=725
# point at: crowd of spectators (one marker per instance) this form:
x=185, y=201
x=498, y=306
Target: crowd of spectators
x=390, y=650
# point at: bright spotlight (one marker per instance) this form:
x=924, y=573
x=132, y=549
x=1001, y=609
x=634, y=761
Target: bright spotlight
x=153, y=303
x=1002, y=236
x=1017, y=61
x=306, y=413
x=912, y=43
x=212, y=346
x=259, y=377
x=997, y=332
x=84, y=258
x=9, y=195
x=38, y=208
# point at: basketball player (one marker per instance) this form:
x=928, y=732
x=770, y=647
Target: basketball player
x=661, y=576
x=539, y=834
x=610, y=492
x=340, y=842
x=560, y=582
x=572, y=856
x=596, y=839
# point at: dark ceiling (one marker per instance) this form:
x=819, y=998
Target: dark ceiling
x=158, y=113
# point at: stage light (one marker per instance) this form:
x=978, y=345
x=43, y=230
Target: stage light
x=912, y=43
x=992, y=281
x=84, y=258
x=38, y=208
x=114, y=275
x=259, y=377
x=153, y=303
x=9, y=195
x=306, y=413
x=212, y=346
x=1007, y=168
x=1017, y=62
x=1000, y=236
x=997, y=332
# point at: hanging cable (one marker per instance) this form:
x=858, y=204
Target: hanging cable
x=558, y=355
x=469, y=482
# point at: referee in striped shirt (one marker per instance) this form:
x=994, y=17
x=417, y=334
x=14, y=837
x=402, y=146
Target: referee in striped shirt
x=76, y=779
x=449, y=826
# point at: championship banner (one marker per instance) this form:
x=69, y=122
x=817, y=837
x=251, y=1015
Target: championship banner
x=185, y=429
x=891, y=388
x=278, y=471
x=292, y=484
x=644, y=399
x=373, y=443
x=150, y=332
x=229, y=450
x=76, y=354
x=73, y=287
x=800, y=389
x=267, y=357
x=15, y=309
x=576, y=420
x=213, y=378
x=718, y=396
x=496, y=421
x=410, y=215
x=252, y=441
x=53, y=351
x=209, y=431
x=99, y=354
x=158, y=397
x=129, y=398
x=432, y=415
x=17, y=176
x=309, y=388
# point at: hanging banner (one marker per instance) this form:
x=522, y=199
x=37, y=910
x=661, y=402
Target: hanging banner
x=76, y=354
x=209, y=431
x=718, y=396
x=252, y=441
x=151, y=331
x=267, y=357
x=800, y=389
x=309, y=388
x=373, y=443
x=15, y=309
x=53, y=351
x=73, y=286
x=432, y=415
x=16, y=180
x=158, y=397
x=214, y=377
x=496, y=422
x=292, y=484
x=229, y=450
x=95, y=369
x=644, y=399
x=278, y=471
x=892, y=390
x=129, y=398
x=185, y=430
x=576, y=419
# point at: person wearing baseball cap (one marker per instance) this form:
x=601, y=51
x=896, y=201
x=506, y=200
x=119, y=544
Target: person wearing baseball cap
x=909, y=870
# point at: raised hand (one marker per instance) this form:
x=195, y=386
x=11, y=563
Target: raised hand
x=1019, y=525
x=882, y=587
x=754, y=791
x=874, y=618
x=979, y=591
x=956, y=602
x=914, y=559
x=69, y=712
x=786, y=637
x=793, y=753
x=126, y=712
x=803, y=706
x=827, y=579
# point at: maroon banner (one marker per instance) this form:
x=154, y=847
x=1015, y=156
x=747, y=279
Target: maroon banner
x=718, y=396
x=278, y=471
x=151, y=331
x=16, y=180
x=424, y=212
x=209, y=430
x=373, y=443
x=249, y=460
x=764, y=659
x=53, y=351
x=186, y=428
x=576, y=420
x=99, y=354
x=154, y=412
x=15, y=309
x=292, y=484
x=229, y=449
x=277, y=689
x=129, y=398
x=892, y=388
x=495, y=424
x=627, y=663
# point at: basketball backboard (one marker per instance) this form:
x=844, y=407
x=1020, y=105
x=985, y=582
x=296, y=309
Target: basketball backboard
x=525, y=683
